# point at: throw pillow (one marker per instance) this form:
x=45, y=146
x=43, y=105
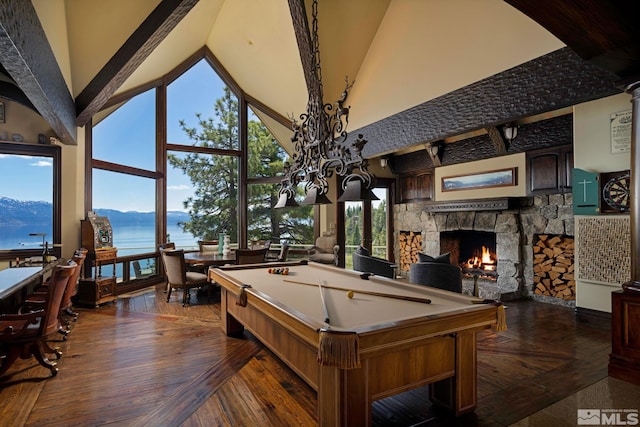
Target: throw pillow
x=363, y=251
x=442, y=259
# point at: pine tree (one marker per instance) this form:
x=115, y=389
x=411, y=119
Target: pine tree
x=214, y=206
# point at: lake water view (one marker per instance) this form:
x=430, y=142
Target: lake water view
x=128, y=239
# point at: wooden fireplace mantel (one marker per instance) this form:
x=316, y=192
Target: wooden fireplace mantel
x=495, y=204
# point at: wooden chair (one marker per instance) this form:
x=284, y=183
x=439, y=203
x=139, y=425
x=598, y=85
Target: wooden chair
x=161, y=247
x=261, y=244
x=166, y=245
x=38, y=299
x=177, y=275
x=24, y=335
x=208, y=245
x=251, y=256
x=282, y=256
x=72, y=289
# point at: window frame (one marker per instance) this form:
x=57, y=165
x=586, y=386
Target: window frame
x=42, y=150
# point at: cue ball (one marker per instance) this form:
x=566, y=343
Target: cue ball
x=350, y=294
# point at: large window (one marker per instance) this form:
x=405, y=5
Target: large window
x=367, y=223
x=126, y=136
x=29, y=198
x=123, y=180
x=203, y=157
x=200, y=189
x=265, y=158
x=203, y=190
x=130, y=210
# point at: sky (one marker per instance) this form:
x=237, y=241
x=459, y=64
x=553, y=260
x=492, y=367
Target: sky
x=132, y=142
x=26, y=169
x=126, y=136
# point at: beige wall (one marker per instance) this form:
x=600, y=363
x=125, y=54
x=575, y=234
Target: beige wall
x=592, y=152
x=72, y=194
x=23, y=121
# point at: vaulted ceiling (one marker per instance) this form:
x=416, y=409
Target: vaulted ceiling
x=424, y=59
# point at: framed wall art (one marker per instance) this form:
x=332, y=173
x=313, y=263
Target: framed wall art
x=495, y=178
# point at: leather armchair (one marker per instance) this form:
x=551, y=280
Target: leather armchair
x=363, y=261
x=325, y=250
x=437, y=274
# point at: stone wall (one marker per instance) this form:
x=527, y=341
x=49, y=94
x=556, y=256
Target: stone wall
x=515, y=231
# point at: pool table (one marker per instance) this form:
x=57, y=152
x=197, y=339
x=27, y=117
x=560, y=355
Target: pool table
x=359, y=338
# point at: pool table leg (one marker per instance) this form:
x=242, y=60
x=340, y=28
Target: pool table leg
x=342, y=397
x=459, y=393
x=230, y=325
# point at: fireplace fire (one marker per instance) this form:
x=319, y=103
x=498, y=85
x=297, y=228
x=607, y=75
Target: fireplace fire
x=484, y=264
x=486, y=261
x=473, y=251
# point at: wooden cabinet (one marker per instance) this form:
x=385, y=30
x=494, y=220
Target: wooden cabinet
x=416, y=186
x=97, y=236
x=98, y=289
x=549, y=170
x=624, y=360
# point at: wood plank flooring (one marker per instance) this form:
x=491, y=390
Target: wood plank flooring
x=143, y=362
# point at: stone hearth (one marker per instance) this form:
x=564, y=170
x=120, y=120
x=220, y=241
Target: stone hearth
x=515, y=226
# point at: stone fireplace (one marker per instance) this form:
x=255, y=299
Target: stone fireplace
x=512, y=223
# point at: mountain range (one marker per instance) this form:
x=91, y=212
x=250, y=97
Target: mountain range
x=21, y=213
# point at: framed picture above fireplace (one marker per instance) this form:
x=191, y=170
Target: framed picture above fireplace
x=489, y=179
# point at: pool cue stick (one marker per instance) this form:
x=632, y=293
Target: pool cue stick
x=324, y=305
x=377, y=294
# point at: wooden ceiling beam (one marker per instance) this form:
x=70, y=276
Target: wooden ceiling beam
x=153, y=30
x=604, y=32
x=303, y=37
x=497, y=140
x=28, y=58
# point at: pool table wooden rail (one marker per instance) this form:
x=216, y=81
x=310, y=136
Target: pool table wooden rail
x=395, y=356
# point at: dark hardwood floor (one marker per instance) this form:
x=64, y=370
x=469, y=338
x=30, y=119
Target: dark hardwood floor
x=142, y=361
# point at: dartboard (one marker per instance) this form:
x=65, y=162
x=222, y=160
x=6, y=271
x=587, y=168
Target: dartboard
x=616, y=192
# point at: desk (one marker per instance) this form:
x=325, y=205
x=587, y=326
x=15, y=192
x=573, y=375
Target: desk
x=17, y=283
x=209, y=258
x=400, y=344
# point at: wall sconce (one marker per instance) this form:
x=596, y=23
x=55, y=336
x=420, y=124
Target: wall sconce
x=435, y=150
x=510, y=131
x=383, y=162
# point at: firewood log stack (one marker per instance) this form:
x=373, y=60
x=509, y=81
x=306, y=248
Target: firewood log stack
x=410, y=244
x=553, y=267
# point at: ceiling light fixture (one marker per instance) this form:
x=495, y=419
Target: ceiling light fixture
x=321, y=148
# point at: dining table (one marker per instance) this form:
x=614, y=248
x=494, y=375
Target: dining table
x=209, y=258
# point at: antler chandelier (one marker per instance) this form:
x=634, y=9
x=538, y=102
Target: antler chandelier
x=321, y=148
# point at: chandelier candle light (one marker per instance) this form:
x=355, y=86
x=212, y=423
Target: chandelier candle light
x=321, y=148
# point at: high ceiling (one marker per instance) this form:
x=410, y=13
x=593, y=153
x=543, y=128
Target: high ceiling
x=401, y=53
